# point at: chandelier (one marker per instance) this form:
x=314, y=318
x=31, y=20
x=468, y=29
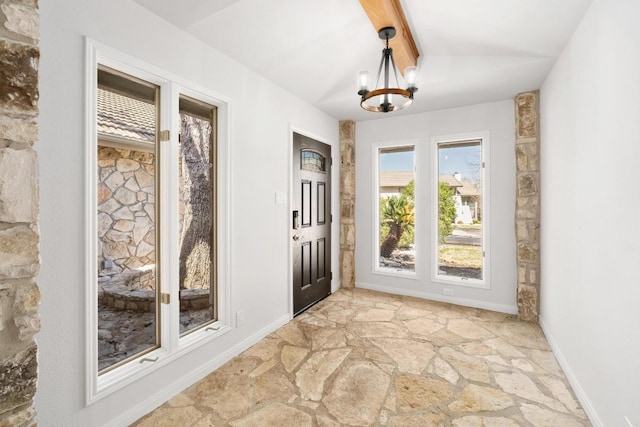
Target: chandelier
x=380, y=99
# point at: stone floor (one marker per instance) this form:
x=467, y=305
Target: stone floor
x=366, y=358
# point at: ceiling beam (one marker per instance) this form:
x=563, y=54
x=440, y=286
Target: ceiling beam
x=388, y=13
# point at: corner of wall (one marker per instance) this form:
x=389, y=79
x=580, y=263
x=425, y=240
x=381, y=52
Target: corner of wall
x=19, y=208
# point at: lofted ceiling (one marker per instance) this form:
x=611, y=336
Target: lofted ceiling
x=471, y=51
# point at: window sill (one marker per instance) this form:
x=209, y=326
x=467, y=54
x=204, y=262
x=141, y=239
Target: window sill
x=393, y=272
x=457, y=281
x=136, y=369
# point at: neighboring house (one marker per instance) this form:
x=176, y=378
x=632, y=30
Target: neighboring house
x=466, y=196
x=392, y=183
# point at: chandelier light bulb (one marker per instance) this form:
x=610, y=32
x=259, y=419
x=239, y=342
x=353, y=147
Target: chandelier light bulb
x=410, y=74
x=363, y=81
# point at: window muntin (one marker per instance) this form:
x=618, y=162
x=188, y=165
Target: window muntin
x=197, y=207
x=395, y=200
x=127, y=123
x=460, y=230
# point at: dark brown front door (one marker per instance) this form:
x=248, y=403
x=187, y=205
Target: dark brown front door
x=311, y=222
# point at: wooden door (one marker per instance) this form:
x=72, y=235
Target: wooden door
x=311, y=222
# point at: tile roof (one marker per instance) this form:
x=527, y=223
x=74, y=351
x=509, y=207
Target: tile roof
x=450, y=180
x=463, y=188
x=468, y=189
x=395, y=179
x=125, y=117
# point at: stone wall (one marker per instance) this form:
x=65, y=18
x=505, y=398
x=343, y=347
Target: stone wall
x=347, y=203
x=528, y=204
x=126, y=213
x=19, y=203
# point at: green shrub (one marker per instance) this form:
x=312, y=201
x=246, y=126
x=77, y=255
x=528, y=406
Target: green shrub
x=397, y=214
x=446, y=211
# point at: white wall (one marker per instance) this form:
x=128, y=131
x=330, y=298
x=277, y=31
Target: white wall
x=496, y=118
x=261, y=116
x=590, y=152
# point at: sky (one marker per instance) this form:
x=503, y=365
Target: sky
x=450, y=160
x=459, y=159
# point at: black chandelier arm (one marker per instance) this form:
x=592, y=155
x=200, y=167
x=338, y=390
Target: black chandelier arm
x=395, y=70
x=382, y=62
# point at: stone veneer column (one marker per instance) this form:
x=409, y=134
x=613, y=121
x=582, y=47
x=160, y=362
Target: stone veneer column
x=347, y=203
x=19, y=200
x=528, y=204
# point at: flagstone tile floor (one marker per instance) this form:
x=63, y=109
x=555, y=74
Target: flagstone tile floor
x=362, y=358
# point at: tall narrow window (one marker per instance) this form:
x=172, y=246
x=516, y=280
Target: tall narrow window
x=158, y=251
x=197, y=207
x=396, y=209
x=460, y=217
x=128, y=287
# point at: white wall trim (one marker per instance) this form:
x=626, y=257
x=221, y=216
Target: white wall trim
x=573, y=380
x=502, y=308
x=191, y=378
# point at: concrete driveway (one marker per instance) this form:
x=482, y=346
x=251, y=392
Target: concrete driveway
x=462, y=235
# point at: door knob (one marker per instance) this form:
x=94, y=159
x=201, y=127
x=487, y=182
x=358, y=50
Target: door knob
x=296, y=237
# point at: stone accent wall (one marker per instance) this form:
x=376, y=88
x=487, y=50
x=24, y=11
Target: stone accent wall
x=126, y=212
x=19, y=204
x=347, y=202
x=528, y=204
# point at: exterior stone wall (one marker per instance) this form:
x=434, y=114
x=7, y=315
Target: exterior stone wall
x=347, y=203
x=19, y=204
x=528, y=204
x=126, y=213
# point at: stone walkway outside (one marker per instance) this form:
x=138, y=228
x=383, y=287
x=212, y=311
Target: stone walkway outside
x=367, y=358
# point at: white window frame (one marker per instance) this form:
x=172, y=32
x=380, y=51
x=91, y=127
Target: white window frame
x=375, y=154
x=484, y=136
x=172, y=346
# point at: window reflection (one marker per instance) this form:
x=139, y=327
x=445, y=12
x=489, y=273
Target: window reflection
x=312, y=161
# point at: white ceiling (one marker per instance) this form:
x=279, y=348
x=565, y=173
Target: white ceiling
x=471, y=51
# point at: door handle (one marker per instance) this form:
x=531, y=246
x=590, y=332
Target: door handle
x=297, y=237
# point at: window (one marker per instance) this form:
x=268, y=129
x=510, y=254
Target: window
x=312, y=161
x=395, y=251
x=127, y=124
x=158, y=212
x=196, y=210
x=461, y=211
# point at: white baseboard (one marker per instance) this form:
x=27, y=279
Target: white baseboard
x=575, y=384
x=194, y=376
x=335, y=285
x=502, y=308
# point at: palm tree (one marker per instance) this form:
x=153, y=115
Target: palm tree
x=398, y=213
